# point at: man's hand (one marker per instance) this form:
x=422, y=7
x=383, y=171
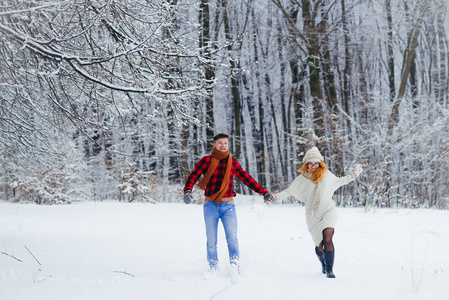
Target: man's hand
x=268, y=198
x=188, y=196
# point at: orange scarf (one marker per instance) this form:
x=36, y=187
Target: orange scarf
x=216, y=157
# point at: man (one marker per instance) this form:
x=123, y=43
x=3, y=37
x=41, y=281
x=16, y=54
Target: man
x=218, y=171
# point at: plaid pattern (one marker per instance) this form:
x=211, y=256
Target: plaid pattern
x=215, y=181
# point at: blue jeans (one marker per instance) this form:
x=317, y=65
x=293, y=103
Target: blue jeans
x=226, y=212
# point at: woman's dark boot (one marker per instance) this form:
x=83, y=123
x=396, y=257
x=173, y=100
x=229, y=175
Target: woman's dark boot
x=329, y=259
x=320, y=255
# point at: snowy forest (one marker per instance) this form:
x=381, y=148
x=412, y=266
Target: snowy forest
x=118, y=100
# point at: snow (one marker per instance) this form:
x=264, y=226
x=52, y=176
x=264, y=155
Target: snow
x=117, y=250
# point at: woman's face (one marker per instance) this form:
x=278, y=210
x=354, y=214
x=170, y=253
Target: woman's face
x=313, y=165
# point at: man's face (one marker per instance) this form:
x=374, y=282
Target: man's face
x=221, y=145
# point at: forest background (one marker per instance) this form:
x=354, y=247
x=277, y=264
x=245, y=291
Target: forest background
x=118, y=100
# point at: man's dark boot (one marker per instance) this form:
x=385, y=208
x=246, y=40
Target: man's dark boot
x=329, y=259
x=320, y=255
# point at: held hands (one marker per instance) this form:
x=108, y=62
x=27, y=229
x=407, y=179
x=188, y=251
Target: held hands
x=358, y=169
x=268, y=198
x=188, y=196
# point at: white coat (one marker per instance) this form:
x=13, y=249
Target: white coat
x=320, y=208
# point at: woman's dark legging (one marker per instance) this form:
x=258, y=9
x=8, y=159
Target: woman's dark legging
x=326, y=244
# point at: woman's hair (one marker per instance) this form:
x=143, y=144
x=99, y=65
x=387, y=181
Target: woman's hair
x=317, y=175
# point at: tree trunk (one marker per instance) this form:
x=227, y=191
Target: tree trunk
x=313, y=61
x=326, y=65
x=235, y=81
x=390, y=52
x=409, y=56
x=283, y=140
x=254, y=106
x=440, y=59
x=4, y=181
x=347, y=69
x=209, y=69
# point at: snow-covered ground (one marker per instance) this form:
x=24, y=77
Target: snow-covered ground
x=113, y=250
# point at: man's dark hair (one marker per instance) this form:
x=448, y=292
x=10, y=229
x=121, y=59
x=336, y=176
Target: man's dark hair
x=221, y=136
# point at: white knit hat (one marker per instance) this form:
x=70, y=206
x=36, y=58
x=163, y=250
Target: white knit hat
x=313, y=155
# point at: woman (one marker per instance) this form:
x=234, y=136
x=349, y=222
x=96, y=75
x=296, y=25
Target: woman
x=315, y=186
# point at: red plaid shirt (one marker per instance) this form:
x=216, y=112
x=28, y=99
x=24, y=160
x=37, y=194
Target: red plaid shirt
x=214, y=183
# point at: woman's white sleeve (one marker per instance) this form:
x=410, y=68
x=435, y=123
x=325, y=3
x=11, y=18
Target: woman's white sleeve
x=284, y=194
x=293, y=190
x=339, y=181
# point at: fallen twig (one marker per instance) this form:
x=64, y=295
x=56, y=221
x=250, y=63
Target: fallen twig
x=11, y=256
x=124, y=272
x=33, y=255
